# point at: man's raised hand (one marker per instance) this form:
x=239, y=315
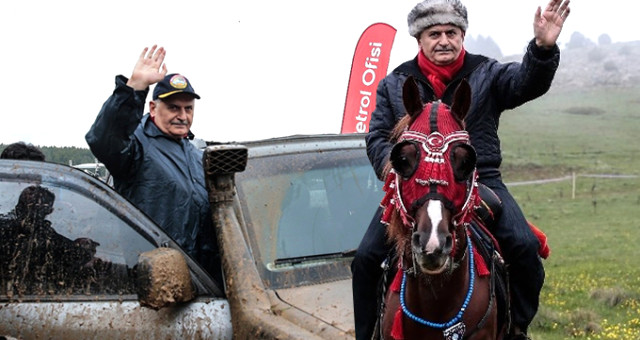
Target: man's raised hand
x=149, y=69
x=547, y=25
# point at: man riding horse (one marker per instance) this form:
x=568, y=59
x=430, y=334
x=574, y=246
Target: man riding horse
x=439, y=27
x=430, y=207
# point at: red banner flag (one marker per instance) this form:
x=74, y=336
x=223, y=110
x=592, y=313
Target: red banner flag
x=369, y=66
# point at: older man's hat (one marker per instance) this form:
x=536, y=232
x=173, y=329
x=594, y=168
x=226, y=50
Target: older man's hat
x=172, y=84
x=436, y=12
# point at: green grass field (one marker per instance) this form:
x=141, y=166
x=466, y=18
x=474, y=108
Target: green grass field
x=592, y=288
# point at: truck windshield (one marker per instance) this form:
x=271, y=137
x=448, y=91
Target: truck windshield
x=301, y=207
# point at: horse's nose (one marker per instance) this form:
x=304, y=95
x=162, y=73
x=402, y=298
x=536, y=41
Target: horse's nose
x=448, y=244
x=430, y=245
x=431, y=252
x=419, y=242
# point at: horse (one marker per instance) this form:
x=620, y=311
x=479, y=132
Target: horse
x=443, y=288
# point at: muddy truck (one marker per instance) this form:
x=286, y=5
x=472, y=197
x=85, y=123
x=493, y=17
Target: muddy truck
x=288, y=212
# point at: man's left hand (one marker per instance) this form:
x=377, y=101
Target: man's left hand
x=547, y=25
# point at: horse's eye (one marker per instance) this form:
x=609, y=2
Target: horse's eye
x=463, y=161
x=404, y=158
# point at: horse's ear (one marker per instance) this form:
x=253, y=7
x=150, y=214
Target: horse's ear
x=411, y=97
x=461, y=101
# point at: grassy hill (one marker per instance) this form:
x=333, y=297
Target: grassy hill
x=587, y=124
x=586, y=130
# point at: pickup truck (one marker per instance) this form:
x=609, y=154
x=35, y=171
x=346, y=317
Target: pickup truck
x=289, y=213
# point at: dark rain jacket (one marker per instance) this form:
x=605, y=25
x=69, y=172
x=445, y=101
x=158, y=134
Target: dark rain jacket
x=495, y=87
x=161, y=176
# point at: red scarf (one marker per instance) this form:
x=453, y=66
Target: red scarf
x=439, y=75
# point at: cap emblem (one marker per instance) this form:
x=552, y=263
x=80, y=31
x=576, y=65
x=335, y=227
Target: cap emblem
x=178, y=82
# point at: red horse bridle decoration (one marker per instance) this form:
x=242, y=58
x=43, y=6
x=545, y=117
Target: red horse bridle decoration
x=433, y=176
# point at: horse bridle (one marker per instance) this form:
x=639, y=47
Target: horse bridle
x=435, y=145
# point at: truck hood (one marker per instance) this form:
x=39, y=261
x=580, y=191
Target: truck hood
x=330, y=302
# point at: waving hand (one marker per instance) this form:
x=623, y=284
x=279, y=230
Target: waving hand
x=149, y=69
x=547, y=25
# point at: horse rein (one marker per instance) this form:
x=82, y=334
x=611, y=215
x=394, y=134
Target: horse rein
x=455, y=324
x=454, y=328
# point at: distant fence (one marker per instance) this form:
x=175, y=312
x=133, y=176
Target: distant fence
x=571, y=177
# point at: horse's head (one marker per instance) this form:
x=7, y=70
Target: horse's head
x=430, y=187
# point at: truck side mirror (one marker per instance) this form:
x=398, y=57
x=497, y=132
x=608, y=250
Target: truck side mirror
x=163, y=278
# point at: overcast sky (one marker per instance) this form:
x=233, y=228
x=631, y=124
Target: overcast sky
x=263, y=68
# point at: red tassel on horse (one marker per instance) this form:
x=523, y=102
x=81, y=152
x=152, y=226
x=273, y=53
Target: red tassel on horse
x=544, y=250
x=397, y=281
x=481, y=265
x=397, y=331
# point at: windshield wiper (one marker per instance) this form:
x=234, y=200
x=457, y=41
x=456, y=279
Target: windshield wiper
x=311, y=258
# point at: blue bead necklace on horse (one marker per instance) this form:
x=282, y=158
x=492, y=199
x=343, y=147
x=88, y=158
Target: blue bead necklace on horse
x=449, y=282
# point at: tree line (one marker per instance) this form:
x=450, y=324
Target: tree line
x=69, y=155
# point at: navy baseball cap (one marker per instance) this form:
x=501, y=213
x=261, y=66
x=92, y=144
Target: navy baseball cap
x=172, y=84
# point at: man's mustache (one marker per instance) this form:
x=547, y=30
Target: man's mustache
x=179, y=122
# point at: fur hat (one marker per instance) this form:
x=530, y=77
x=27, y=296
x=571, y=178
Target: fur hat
x=436, y=12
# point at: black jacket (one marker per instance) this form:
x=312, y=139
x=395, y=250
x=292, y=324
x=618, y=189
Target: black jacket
x=161, y=176
x=495, y=87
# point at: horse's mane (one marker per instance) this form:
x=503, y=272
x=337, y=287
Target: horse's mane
x=396, y=230
x=397, y=234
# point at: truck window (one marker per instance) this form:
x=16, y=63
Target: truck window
x=61, y=244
